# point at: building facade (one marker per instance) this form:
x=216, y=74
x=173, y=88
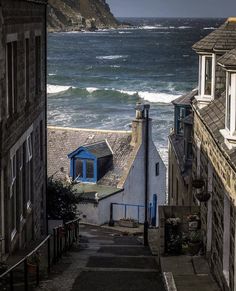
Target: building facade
x=214, y=152
x=109, y=167
x=22, y=122
x=180, y=152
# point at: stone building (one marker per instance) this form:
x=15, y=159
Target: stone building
x=214, y=152
x=22, y=122
x=109, y=167
x=180, y=152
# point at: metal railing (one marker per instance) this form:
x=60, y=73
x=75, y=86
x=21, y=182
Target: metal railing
x=27, y=273
x=128, y=214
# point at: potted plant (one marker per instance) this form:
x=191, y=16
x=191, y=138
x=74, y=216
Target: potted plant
x=203, y=196
x=195, y=242
x=198, y=183
x=33, y=263
x=128, y=222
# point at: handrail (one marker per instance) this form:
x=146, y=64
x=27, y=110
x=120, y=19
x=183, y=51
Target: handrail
x=72, y=221
x=124, y=204
x=27, y=256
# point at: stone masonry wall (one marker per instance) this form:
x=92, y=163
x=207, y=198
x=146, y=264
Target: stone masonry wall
x=223, y=183
x=24, y=19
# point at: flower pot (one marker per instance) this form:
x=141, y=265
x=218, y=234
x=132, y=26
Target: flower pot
x=194, y=247
x=128, y=223
x=203, y=196
x=198, y=183
x=32, y=268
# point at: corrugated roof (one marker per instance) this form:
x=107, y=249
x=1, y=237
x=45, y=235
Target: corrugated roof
x=222, y=39
x=186, y=98
x=62, y=141
x=228, y=60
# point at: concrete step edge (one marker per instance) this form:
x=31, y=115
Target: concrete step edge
x=169, y=281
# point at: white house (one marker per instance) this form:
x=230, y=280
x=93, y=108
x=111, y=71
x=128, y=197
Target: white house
x=109, y=168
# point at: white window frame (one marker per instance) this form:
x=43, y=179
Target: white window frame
x=29, y=148
x=202, y=70
x=13, y=181
x=230, y=76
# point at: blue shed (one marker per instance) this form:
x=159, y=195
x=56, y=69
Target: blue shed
x=91, y=162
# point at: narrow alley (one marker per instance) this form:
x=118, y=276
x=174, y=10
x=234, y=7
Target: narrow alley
x=106, y=260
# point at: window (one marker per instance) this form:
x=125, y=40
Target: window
x=157, y=169
x=29, y=170
x=27, y=70
x=189, y=150
x=41, y=140
x=84, y=169
x=11, y=77
x=37, y=65
x=230, y=121
x=206, y=75
x=13, y=196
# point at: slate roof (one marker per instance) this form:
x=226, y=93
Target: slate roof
x=99, y=149
x=222, y=39
x=186, y=98
x=188, y=119
x=62, y=141
x=213, y=117
x=228, y=60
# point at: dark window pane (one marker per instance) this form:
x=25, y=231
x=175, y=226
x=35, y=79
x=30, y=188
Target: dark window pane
x=208, y=75
x=78, y=168
x=89, y=169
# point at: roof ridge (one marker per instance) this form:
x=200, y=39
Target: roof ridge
x=88, y=129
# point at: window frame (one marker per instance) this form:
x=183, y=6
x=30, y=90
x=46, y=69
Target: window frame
x=230, y=113
x=84, y=177
x=202, y=75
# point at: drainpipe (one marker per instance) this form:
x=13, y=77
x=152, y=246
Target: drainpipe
x=145, y=234
x=45, y=78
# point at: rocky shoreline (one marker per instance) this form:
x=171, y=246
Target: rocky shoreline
x=81, y=15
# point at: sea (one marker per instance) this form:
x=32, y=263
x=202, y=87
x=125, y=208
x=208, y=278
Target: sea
x=96, y=78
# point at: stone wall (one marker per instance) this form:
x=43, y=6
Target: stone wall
x=223, y=189
x=179, y=190
x=24, y=19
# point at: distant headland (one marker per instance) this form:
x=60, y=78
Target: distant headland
x=79, y=15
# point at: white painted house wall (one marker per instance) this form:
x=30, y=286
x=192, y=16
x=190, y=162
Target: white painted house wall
x=134, y=184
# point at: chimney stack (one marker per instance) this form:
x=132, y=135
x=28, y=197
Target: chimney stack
x=139, y=125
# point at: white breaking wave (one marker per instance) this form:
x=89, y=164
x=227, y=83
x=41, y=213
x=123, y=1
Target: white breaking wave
x=158, y=97
x=130, y=93
x=54, y=89
x=124, y=32
x=209, y=28
x=115, y=57
x=91, y=89
x=115, y=66
x=184, y=27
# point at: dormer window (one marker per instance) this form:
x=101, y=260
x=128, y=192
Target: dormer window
x=89, y=163
x=206, y=75
x=229, y=132
x=230, y=118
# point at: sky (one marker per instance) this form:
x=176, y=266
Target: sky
x=173, y=8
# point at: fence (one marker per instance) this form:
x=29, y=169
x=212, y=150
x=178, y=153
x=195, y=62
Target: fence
x=27, y=273
x=134, y=211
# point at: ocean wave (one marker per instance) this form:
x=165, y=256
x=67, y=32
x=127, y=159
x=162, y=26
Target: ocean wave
x=184, y=27
x=91, y=89
x=54, y=89
x=209, y=28
x=113, y=57
x=157, y=97
x=124, y=32
x=153, y=97
x=51, y=74
x=115, y=66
